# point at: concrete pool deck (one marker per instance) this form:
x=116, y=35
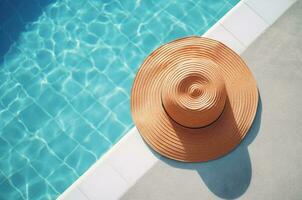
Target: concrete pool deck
x=267, y=164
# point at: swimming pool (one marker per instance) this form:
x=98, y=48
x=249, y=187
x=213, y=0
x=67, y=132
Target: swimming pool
x=65, y=84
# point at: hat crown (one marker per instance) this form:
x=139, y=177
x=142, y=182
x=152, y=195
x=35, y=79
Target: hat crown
x=193, y=93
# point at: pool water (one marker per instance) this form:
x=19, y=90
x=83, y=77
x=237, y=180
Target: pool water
x=65, y=84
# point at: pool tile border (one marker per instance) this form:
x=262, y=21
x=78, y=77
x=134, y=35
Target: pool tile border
x=218, y=32
x=113, y=174
x=120, y=168
x=244, y=24
x=266, y=11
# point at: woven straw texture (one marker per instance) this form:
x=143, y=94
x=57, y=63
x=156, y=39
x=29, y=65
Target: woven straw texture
x=194, y=99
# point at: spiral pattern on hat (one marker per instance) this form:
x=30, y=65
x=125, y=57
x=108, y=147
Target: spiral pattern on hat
x=193, y=92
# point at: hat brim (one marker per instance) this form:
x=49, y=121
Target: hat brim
x=169, y=138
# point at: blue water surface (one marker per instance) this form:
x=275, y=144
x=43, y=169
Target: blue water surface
x=66, y=72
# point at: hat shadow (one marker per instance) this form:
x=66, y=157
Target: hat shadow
x=229, y=176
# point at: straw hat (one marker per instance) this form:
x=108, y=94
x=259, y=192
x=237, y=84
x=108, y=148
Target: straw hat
x=194, y=99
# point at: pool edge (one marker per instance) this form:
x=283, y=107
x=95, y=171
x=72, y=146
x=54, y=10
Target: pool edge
x=130, y=157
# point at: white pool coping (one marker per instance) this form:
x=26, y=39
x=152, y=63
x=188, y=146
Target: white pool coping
x=128, y=160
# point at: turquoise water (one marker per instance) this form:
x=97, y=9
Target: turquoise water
x=65, y=84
